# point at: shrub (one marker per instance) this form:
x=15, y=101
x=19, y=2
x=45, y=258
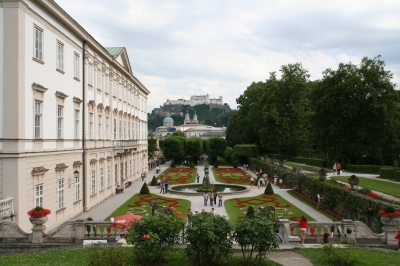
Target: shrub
x=153, y=236
x=316, y=162
x=255, y=236
x=396, y=175
x=340, y=255
x=108, y=256
x=153, y=181
x=235, y=165
x=191, y=165
x=173, y=165
x=145, y=189
x=250, y=212
x=215, y=164
x=386, y=172
x=207, y=239
x=368, y=169
x=269, y=190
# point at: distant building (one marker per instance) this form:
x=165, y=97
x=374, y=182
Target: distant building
x=196, y=100
x=166, y=129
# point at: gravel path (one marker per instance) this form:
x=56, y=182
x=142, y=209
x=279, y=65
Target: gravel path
x=289, y=258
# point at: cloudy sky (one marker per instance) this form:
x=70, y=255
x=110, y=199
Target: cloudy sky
x=219, y=47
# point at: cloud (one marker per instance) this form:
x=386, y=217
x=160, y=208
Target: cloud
x=183, y=48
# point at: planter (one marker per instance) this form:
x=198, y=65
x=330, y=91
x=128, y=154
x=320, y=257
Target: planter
x=38, y=220
x=353, y=186
x=390, y=229
x=322, y=176
x=390, y=221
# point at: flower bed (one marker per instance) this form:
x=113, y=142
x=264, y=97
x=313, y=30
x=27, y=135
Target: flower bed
x=179, y=175
x=232, y=175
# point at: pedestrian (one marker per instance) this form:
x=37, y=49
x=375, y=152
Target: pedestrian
x=211, y=197
x=275, y=180
x=196, y=212
x=251, y=181
x=398, y=238
x=215, y=197
x=142, y=175
x=338, y=167
x=220, y=196
x=203, y=210
x=205, y=196
x=318, y=198
x=189, y=215
x=198, y=178
x=326, y=238
x=158, y=182
x=166, y=187
x=280, y=183
x=162, y=188
x=259, y=183
x=303, y=228
x=334, y=168
x=213, y=211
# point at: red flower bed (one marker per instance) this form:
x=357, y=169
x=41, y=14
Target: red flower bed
x=257, y=201
x=172, y=203
x=233, y=175
x=372, y=195
x=389, y=214
x=178, y=175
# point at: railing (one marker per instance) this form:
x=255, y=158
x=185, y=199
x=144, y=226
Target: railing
x=125, y=143
x=101, y=229
x=319, y=229
x=6, y=207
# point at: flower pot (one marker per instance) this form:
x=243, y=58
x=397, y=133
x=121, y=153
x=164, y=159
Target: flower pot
x=38, y=220
x=388, y=221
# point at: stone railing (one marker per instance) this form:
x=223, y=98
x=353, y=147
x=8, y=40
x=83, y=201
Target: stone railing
x=6, y=207
x=125, y=144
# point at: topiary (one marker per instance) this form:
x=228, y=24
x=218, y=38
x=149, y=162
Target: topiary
x=250, y=212
x=173, y=165
x=145, y=189
x=153, y=181
x=269, y=190
x=235, y=165
x=215, y=165
x=191, y=165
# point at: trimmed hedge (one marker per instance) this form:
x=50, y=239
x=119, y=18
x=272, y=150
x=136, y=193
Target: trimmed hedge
x=145, y=189
x=276, y=156
x=386, y=172
x=153, y=181
x=316, y=162
x=366, y=169
x=396, y=175
x=269, y=190
x=301, y=160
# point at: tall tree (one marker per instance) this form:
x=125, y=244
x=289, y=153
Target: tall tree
x=152, y=144
x=194, y=147
x=215, y=147
x=173, y=148
x=355, y=110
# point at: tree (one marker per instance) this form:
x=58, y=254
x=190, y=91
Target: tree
x=255, y=236
x=285, y=111
x=268, y=189
x=194, y=147
x=152, y=144
x=355, y=109
x=144, y=189
x=173, y=148
x=207, y=239
x=178, y=133
x=215, y=147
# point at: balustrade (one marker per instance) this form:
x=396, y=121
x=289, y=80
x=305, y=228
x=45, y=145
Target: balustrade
x=6, y=207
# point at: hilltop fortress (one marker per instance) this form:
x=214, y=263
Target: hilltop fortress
x=175, y=106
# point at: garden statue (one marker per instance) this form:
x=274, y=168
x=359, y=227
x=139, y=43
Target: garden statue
x=206, y=180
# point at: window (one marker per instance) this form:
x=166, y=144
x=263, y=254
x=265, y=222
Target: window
x=101, y=179
x=130, y=167
x=93, y=183
x=77, y=189
x=100, y=129
x=76, y=124
x=38, y=119
x=39, y=195
x=60, y=121
x=120, y=91
x=122, y=170
x=109, y=176
x=99, y=79
x=90, y=75
x=107, y=127
x=114, y=87
x=106, y=83
x=120, y=129
x=129, y=130
x=115, y=128
x=38, y=53
x=60, y=194
x=124, y=136
x=76, y=65
x=116, y=173
x=91, y=125
x=126, y=170
x=60, y=56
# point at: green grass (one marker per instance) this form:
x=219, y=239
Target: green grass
x=302, y=166
x=373, y=184
x=222, y=162
x=233, y=209
x=235, y=175
x=174, y=177
x=364, y=257
x=183, y=205
x=312, y=206
x=81, y=256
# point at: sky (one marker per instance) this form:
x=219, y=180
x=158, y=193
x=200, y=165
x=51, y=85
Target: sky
x=180, y=48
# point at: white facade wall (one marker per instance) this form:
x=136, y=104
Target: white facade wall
x=1, y=73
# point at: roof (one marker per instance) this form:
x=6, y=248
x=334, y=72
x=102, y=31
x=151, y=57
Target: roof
x=168, y=120
x=114, y=51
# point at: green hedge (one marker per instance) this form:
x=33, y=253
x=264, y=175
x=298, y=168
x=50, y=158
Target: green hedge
x=397, y=175
x=276, y=156
x=367, y=169
x=316, y=162
x=386, y=172
x=301, y=160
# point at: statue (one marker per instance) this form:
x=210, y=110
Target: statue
x=206, y=180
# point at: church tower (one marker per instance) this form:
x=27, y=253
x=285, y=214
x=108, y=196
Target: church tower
x=187, y=118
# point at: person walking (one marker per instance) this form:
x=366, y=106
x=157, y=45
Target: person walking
x=303, y=228
x=251, y=182
x=198, y=178
x=162, y=187
x=211, y=197
x=334, y=168
x=220, y=196
x=205, y=196
x=338, y=167
x=166, y=187
x=280, y=183
x=259, y=183
x=398, y=238
x=318, y=198
x=215, y=197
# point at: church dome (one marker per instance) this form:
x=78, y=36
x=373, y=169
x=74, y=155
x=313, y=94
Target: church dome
x=168, y=120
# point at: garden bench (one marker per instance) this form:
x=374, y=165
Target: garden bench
x=128, y=184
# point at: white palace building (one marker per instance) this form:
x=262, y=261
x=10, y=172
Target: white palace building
x=73, y=117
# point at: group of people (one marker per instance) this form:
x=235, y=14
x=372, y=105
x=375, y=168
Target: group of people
x=337, y=168
x=212, y=196
x=143, y=175
x=163, y=185
x=158, y=169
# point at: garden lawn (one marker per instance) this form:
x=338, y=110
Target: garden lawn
x=222, y=162
x=179, y=175
x=333, y=218
x=283, y=209
x=140, y=204
x=231, y=176
x=373, y=184
x=302, y=166
x=364, y=257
